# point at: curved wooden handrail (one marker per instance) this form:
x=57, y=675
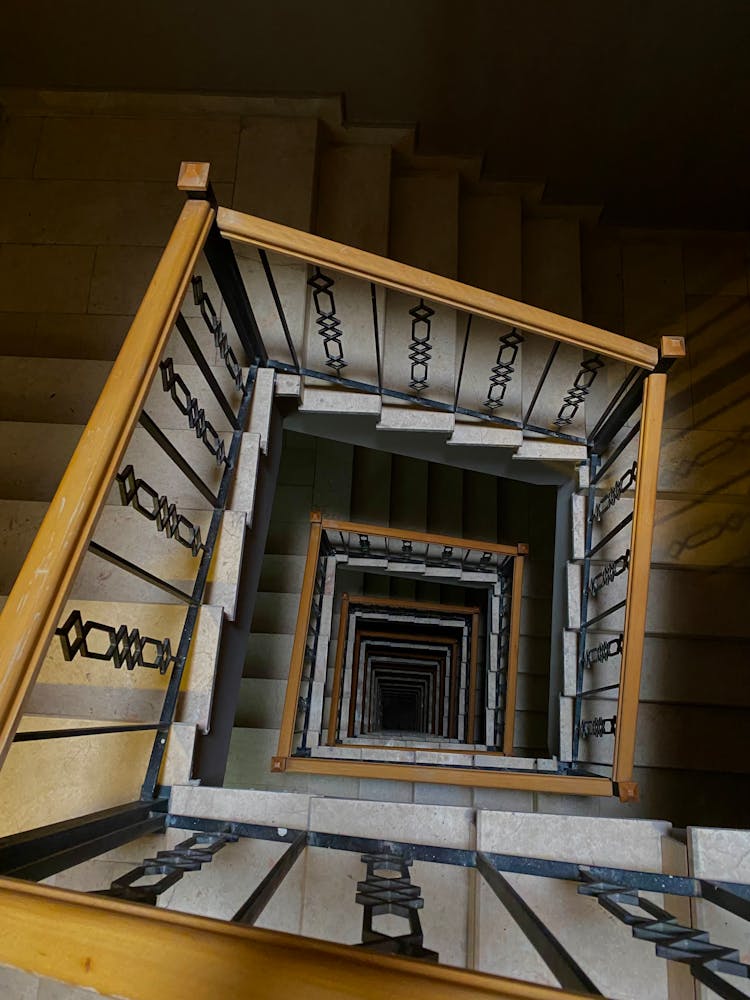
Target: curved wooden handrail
x=33, y=608
x=411, y=280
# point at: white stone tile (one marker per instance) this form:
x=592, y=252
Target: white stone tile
x=439, y=825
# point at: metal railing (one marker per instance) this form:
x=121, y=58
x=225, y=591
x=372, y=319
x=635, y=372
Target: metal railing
x=106, y=920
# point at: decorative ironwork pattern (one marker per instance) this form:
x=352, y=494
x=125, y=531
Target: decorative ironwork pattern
x=171, y=865
x=420, y=349
x=602, y=652
x=159, y=509
x=598, y=727
x=174, y=384
x=503, y=369
x=212, y=321
x=625, y=482
x=579, y=390
x=673, y=940
x=126, y=647
x=328, y=322
x=610, y=572
x=388, y=889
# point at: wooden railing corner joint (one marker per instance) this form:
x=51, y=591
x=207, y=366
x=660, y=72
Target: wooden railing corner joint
x=193, y=180
x=278, y=764
x=627, y=791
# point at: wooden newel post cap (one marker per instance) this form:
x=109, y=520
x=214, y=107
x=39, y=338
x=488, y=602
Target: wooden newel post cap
x=193, y=177
x=672, y=347
x=523, y=548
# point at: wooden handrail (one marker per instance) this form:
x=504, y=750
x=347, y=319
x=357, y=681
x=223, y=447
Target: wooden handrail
x=396, y=602
x=34, y=606
x=297, y=663
x=93, y=941
x=644, y=505
x=437, y=774
x=338, y=672
x=427, y=538
x=514, y=639
x=412, y=281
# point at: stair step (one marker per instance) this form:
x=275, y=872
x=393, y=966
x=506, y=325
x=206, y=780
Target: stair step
x=92, y=689
x=128, y=533
x=34, y=456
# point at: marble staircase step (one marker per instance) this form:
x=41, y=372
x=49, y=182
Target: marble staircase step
x=33, y=457
x=128, y=533
x=93, y=689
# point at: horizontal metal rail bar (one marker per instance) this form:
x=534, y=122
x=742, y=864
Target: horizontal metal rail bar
x=609, y=611
x=738, y=893
x=56, y=734
x=592, y=691
x=142, y=574
x=37, y=854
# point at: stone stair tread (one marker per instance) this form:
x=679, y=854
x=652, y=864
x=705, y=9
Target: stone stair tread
x=127, y=532
x=33, y=457
x=94, y=689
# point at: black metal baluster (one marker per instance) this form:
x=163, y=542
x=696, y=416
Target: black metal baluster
x=192, y=345
x=543, y=378
x=376, y=331
x=279, y=307
x=169, y=449
x=462, y=363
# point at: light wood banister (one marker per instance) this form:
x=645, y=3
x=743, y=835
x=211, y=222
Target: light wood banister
x=297, y=663
x=149, y=953
x=34, y=606
x=654, y=394
x=514, y=640
x=289, y=242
